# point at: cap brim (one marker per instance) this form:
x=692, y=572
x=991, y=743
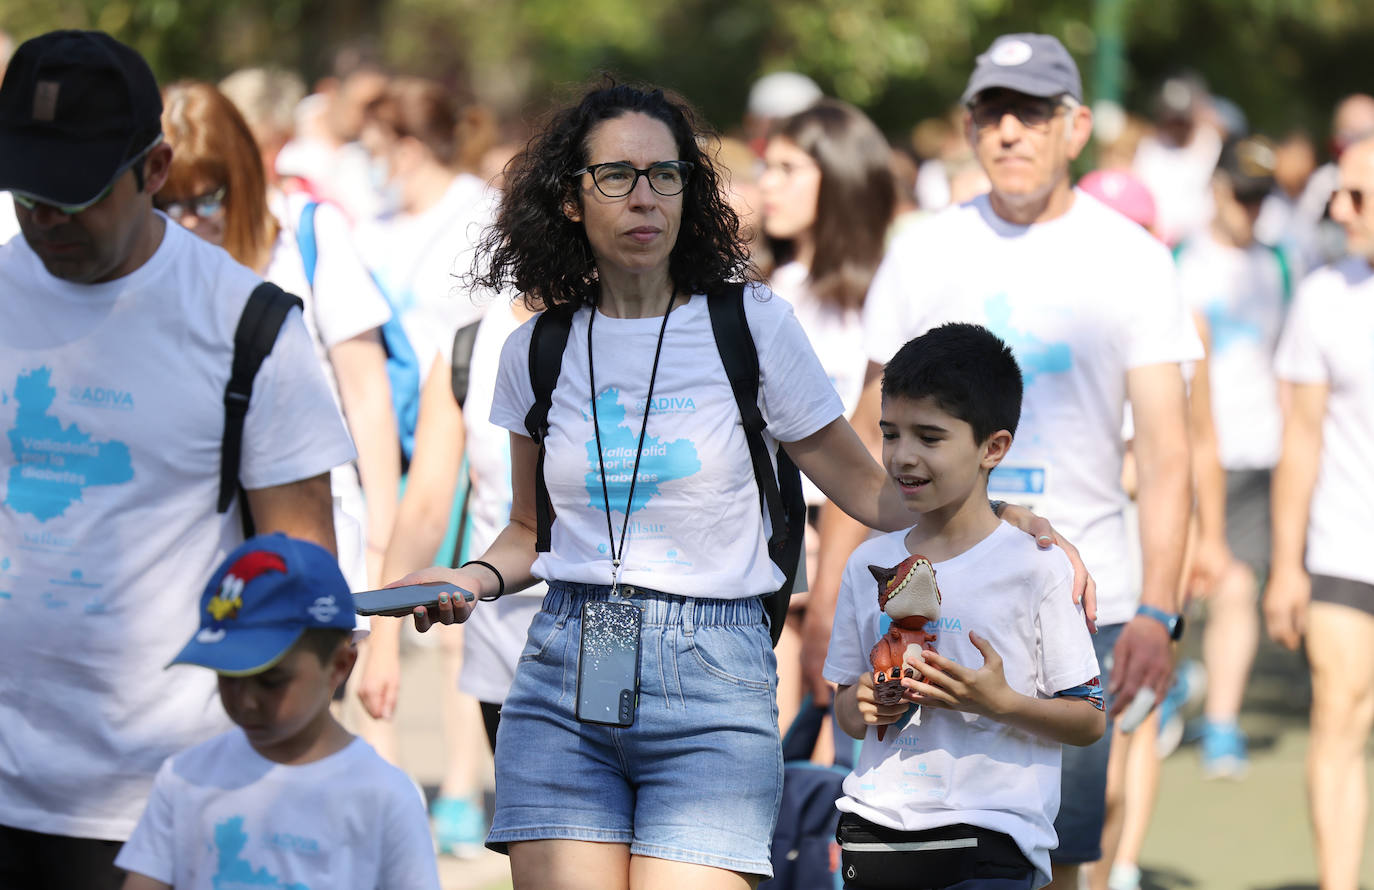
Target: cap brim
x=1011, y=79
x=58, y=169
x=240, y=652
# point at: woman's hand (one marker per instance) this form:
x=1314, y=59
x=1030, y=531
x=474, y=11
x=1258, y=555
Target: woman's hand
x=1084, y=587
x=450, y=609
x=380, y=687
x=1286, y=599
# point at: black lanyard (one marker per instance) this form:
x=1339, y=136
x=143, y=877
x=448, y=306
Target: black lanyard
x=618, y=553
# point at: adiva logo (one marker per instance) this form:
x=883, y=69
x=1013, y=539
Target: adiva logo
x=101, y=397
x=667, y=405
x=943, y=625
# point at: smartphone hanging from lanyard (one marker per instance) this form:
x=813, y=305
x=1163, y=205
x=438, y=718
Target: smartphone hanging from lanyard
x=608, y=663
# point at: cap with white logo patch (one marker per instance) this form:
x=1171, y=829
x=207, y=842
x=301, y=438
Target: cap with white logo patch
x=1034, y=64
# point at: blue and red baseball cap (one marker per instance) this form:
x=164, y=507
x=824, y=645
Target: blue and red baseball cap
x=261, y=599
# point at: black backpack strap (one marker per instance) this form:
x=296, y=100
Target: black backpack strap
x=461, y=365
x=262, y=318
x=777, y=490
x=547, y=342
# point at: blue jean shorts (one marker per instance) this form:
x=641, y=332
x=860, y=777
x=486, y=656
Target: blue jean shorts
x=1083, y=779
x=697, y=778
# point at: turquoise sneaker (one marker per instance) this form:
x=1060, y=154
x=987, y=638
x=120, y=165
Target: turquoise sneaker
x=459, y=825
x=1224, y=754
x=1190, y=685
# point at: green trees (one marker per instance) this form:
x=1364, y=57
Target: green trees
x=1284, y=61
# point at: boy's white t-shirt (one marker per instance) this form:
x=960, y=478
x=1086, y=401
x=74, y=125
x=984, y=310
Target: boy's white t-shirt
x=955, y=767
x=1081, y=299
x=112, y=409
x=696, y=526
x=1242, y=292
x=420, y=262
x=1329, y=338
x=221, y=815
x=494, y=635
x=836, y=335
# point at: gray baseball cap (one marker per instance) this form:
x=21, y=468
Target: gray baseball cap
x=1034, y=64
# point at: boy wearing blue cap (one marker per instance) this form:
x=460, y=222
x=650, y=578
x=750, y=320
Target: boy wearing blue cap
x=290, y=798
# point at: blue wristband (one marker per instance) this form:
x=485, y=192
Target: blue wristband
x=1172, y=623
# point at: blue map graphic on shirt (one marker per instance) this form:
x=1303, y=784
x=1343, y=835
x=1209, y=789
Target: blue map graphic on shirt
x=54, y=464
x=233, y=871
x=659, y=462
x=1035, y=356
x=1228, y=329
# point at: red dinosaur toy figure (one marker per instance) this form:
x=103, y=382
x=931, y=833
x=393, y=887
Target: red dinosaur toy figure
x=911, y=598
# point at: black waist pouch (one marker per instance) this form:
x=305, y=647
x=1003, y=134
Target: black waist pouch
x=876, y=858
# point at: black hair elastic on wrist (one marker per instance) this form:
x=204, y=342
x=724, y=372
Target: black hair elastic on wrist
x=500, y=582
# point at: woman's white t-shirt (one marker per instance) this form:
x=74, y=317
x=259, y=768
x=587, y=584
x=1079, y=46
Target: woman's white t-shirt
x=835, y=333
x=696, y=526
x=494, y=635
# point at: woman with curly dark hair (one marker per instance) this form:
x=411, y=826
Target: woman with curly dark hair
x=615, y=216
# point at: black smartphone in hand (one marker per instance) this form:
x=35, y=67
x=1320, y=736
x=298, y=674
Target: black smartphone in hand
x=401, y=601
x=608, y=663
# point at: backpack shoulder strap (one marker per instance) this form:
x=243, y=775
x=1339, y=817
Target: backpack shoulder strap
x=461, y=365
x=780, y=491
x=262, y=318
x=306, y=241
x=1285, y=271
x=547, y=342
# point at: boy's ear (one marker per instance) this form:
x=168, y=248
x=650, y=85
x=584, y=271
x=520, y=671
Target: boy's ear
x=995, y=448
x=341, y=663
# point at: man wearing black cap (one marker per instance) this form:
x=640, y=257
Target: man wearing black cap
x=116, y=341
x=1090, y=306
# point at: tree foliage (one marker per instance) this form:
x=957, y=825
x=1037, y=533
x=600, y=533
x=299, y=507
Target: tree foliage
x=1283, y=61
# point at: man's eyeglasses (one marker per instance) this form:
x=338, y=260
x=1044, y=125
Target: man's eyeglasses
x=1356, y=197
x=29, y=202
x=206, y=206
x=616, y=180
x=1034, y=112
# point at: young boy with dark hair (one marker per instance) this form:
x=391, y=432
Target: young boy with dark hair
x=961, y=793
x=289, y=799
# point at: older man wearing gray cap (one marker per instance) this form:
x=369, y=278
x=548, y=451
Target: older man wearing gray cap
x=1089, y=304
x=117, y=335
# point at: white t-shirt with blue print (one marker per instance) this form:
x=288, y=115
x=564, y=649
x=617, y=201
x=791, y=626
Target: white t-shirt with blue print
x=111, y=429
x=1081, y=300
x=222, y=816
x=953, y=767
x=696, y=526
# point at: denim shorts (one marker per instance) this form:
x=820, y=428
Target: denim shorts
x=697, y=778
x=1083, y=780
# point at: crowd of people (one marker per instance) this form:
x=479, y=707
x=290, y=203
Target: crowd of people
x=513, y=373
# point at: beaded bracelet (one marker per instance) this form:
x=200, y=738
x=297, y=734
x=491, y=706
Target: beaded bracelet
x=500, y=582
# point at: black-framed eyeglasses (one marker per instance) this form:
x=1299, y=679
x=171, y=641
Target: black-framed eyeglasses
x=618, y=179
x=1034, y=112
x=206, y=206
x=31, y=202
x=1356, y=197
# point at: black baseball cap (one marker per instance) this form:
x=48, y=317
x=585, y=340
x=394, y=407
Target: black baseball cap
x=1034, y=64
x=76, y=107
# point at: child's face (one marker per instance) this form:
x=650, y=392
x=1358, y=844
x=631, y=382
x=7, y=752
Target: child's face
x=931, y=454
x=284, y=707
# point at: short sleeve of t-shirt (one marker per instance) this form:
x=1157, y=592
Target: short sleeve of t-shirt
x=293, y=430
x=514, y=395
x=797, y=398
x=890, y=304
x=408, y=853
x=1066, y=651
x=151, y=849
x=1300, y=357
x=347, y=301
x=1160, y=327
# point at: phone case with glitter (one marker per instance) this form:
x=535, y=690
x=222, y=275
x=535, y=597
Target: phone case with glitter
x=608, y=663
